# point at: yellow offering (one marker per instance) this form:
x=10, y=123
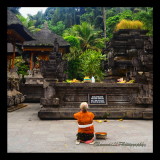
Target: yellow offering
x=100, y=121
x=131, y=81
x=75, y=80
x=122, y=81
x=87, y=79
x=120, y=120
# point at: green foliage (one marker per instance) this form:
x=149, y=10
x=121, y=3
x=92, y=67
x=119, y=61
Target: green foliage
x=93, y=15
x=58, y=28
x=74, y=42
x=100, y=43
x=143, y=14
x=73, y=58
x=87, y=17
x=22, y=67
x=127, y=14
x=112, y=21
x=147, y=18
x=74, y=70
x=88, y=63
x=69, y=15
x=49, y=13
x=91, y=64
x=38, y=18
x=74, y=53
x=86, y=34
x=62, y=19
x=30, y=24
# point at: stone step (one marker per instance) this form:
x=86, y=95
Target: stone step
x=67, y=113
x=111, y=105
x=16, y=107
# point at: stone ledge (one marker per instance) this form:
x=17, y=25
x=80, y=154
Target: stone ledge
x=67, y=113
x=137, y=114
x=60, y=84
x=147, y=115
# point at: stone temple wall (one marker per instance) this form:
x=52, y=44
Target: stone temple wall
x=120, y=101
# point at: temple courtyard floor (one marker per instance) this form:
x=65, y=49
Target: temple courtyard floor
x=27, y=133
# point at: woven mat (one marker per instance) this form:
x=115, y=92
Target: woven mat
x=13, y=108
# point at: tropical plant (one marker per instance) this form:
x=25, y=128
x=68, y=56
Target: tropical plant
x=88, y=17
x=86, y=34
x=112, y=21
x=22, y=67
x=30, y=24
x=73, y=58
x=91, y=64
x=58, y=28
x=143, y=14
x=37, y=18
x=69, y=15
x=146, y=16
x=49, y=13
x=74, y=42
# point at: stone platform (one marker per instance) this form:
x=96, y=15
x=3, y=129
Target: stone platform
x=120, y=101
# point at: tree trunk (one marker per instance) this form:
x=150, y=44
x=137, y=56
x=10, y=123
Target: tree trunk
x=104, y=20
x=74, y=15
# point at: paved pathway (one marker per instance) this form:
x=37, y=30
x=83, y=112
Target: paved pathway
x=27, y=133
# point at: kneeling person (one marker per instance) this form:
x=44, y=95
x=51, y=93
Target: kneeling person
x=85, y=125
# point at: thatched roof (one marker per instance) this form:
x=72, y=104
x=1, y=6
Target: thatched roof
x=14, y=23
x=45, y=37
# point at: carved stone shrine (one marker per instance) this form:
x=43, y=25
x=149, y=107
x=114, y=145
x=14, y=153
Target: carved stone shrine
x=14, y=96
x=130, y=55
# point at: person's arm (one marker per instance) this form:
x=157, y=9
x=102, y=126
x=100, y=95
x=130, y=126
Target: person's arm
x=75, y=115
x=92, y=115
